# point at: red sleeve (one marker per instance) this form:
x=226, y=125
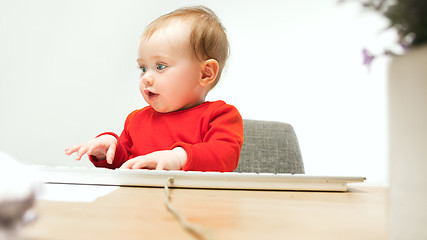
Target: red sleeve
x=122, y=154
x=220, y=149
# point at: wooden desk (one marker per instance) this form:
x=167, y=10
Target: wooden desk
x=140, y=213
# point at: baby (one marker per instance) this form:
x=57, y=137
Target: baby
x=181, y=56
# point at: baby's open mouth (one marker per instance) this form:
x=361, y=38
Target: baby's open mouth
x=150, y=94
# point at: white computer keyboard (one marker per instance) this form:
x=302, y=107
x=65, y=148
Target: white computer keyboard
x=194, y=179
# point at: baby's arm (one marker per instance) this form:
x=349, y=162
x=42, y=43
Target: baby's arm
x=102, y=147
x=220, y=149
x=173, y=159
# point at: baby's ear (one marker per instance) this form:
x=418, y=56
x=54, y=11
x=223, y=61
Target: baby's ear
x=210, y=69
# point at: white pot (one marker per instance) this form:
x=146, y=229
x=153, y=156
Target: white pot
x=408, y=145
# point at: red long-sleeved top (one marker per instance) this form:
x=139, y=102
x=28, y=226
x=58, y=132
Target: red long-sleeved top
x=210, y=133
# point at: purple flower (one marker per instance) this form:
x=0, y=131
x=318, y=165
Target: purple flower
x=367, y=58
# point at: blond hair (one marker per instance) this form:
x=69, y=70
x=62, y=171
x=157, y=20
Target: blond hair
x=207, y=38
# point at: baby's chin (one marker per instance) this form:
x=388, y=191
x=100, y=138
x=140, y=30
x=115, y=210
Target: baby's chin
x=161, y=107
x=169, y=109
x=164, y=109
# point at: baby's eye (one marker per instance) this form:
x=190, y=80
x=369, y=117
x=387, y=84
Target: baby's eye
x=143, y=69
x=160, y=66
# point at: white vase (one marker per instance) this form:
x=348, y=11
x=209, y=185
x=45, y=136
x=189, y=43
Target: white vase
x=408, y=145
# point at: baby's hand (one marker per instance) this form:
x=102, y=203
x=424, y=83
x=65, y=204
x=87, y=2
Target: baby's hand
x=173, y=159
x=102, y=147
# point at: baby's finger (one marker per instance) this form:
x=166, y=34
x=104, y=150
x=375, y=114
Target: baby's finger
x=144, y=162
x=72, y=149
x=110, y=154
x=160, y=165
x=92, y=148
x=81, y=152
x=128, y=164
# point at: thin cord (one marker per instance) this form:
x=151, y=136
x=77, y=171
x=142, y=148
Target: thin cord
x=196, y=231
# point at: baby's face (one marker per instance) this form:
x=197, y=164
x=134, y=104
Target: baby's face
x=170, y=74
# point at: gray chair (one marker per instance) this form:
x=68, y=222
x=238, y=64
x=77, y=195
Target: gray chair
x=270, y=147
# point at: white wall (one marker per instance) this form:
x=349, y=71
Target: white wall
x=68, y=72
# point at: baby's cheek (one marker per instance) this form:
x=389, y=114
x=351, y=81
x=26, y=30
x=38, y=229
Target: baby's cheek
x=141, y=86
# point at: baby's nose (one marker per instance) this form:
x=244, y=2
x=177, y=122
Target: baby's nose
x=147, y=79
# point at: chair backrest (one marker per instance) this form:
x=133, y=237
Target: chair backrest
x=270, y=147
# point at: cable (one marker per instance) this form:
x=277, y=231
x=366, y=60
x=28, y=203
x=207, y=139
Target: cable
x=196, y=231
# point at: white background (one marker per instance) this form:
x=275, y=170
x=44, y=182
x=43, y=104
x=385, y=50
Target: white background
x=68, y=72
